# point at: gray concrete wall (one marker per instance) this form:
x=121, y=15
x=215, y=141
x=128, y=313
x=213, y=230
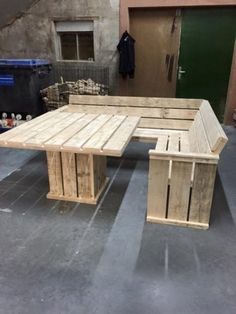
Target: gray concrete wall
x=9, y=10
x=32, y=34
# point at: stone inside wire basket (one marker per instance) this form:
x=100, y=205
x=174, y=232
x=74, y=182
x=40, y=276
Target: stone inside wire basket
x=57, y=95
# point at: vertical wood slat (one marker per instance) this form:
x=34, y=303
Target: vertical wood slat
x=69, y=174
x=55, y=173
x=84, y=173
x=99, y=173
x=76, y=177
x=202, y=192
x=180, y=184
x=157, y=188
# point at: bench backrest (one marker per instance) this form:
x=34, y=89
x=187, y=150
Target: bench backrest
x=161, y=113
x=215, y=134
x=197, y=136
x=206, y=133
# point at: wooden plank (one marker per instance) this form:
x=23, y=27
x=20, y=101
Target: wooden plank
x=100, y=138
x=99, y=173
x=180, y=184
x=76, y=142
x=21, y=139
x=199, y=142
x=187, y=157
x=42, y=136
x=202, y=192
x=173, y=143
x=162, y=143
x=165, y=124
x=157, y=188
x=148, y=112
x=121, y=137
x=131, y=111
x=179, y=223
x=24, y=127
x=69, y=174
x=59, y=139
x=184, y=142
x=142, y=132
x=84, y=175
x=135, y=101
x=55, y=173
x=215, y=134
x=185, y=114
x=85, y=200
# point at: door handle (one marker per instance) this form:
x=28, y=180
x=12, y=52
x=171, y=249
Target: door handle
x=180, y=73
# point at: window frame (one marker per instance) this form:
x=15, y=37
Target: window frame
x=76, y=32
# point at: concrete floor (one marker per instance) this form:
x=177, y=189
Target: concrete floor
x=62, y=257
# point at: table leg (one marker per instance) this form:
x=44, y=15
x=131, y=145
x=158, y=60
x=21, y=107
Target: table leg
x=76, y=177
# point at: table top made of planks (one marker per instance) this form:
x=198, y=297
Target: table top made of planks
x=100, y=134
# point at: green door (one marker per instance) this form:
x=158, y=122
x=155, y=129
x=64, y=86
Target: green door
x=206, y=50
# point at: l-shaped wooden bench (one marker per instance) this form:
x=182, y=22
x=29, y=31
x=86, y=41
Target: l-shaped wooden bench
x=183, y=164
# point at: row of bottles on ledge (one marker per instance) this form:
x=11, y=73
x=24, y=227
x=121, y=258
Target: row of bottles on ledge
x=14, y=121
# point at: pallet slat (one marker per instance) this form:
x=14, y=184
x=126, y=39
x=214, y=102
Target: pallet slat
x=53, y=129
x=215, y=134
x=63, y=136
x=79, y=139
x=162, y=143
x=121, y=137
x=135, y=101
x=180, y=184
x=157, y=188
x=69, y=174
x=55, y=173
x=202, y=192
x=96, y=143
x=165, y=124
x=173, y=143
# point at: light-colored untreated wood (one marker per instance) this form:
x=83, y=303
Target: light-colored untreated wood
x=55, y=173
x=98, y=174
x=75, y=133
x=179, y=190
x=180, y=223
x=102, y=136
x=199, y=142
x=135, y=101
x=182, y=156
x=202, y=193
x=165, y=124
x=121, y=136
x=76, y=177
x=182, y=166
x=85, y=200
x=162, y=143
x=159, y=113
x=174, y=143
x=157, y=188
x=192, y=157
x=154, y=133
x=153, y=112
x=69, y=174
x=215, y=134
x=63, y=136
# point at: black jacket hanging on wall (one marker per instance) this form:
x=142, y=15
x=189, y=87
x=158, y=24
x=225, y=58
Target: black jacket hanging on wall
x=127, y=55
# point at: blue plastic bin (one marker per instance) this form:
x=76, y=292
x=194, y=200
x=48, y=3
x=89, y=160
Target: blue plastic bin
x=20, y=83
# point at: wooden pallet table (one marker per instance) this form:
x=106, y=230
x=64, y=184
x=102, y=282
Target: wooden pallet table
x=76, y=145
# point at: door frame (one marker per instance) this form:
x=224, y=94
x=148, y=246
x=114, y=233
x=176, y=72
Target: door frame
x=125, y=5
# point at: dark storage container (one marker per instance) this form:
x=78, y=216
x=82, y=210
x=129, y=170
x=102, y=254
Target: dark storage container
x=20, y=83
